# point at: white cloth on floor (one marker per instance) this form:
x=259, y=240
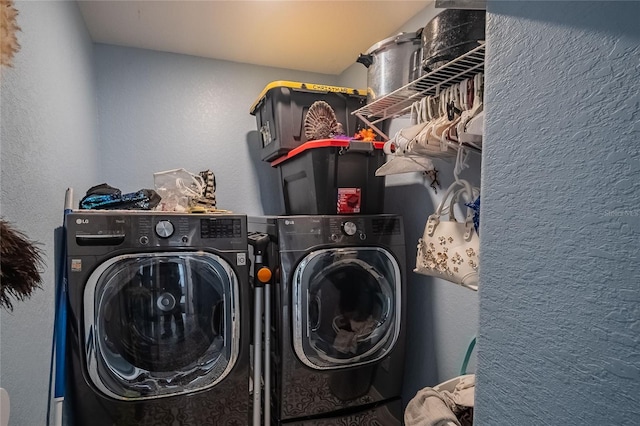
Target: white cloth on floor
x=464, y=392
x=428, y=408
x=432, y=407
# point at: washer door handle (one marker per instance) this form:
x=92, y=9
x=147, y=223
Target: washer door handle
x=216, y=318
x=316, y=304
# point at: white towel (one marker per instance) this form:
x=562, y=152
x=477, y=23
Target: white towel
x=464, y=392
x=428, y=408
x=441, y=407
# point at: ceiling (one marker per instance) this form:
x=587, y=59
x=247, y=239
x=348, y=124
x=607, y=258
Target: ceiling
x=316, y=36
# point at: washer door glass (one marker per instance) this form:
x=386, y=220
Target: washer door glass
x=161, y=324
x=347, y=304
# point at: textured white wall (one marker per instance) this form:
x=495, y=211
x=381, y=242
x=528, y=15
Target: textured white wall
x=49, y=140
x=560, y=276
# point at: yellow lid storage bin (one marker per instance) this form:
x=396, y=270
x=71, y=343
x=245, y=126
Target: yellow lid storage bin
x=282, y=107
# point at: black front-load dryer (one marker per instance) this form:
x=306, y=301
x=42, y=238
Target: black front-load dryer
x=158, y=319
x=337, y=306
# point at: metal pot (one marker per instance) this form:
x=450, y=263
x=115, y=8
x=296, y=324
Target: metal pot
x=453, y=32
x=392, y=63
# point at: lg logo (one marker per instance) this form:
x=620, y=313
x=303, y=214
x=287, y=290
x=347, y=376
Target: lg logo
x=288, y=222
x=82, y=221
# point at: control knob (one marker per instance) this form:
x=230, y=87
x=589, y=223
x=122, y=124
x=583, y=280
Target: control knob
x=349, y=228
x=164, y=229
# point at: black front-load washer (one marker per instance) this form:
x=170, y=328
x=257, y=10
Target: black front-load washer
x=337, y=318
x=158, y=319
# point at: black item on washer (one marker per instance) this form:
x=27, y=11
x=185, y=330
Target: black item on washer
x=106, y=197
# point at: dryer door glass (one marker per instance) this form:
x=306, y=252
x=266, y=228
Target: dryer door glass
x=161, y=324
x=346, y=306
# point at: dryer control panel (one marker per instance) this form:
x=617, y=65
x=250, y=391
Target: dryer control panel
x=300, y=232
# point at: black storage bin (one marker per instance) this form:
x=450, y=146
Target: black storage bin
x=333, y=176
x=281, y=108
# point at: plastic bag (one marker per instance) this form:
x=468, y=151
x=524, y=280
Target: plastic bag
x=177, y=187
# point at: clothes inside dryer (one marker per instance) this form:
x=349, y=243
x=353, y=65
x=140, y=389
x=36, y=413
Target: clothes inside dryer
x=347, y=306
x=162, y=322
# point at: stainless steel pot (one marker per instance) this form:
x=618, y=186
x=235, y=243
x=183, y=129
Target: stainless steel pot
x=392, y=63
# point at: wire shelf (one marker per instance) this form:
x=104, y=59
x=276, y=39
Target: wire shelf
x=398, y=103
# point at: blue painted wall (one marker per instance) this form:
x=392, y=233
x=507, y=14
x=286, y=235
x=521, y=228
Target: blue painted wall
x=161, y=111
x=560, y=270
x=49, y=142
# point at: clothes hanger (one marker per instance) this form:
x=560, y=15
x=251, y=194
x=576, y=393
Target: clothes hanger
x=475, y=125
x=420, y=144
x=416, y=112
x=400, y=142
x=455, y=109
x=466, y=102
x=441, y=122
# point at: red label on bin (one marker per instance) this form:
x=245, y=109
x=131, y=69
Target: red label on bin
x=349, y=200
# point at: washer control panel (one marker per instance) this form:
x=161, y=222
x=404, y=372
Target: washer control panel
x=107, y=230
x=220, y=227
